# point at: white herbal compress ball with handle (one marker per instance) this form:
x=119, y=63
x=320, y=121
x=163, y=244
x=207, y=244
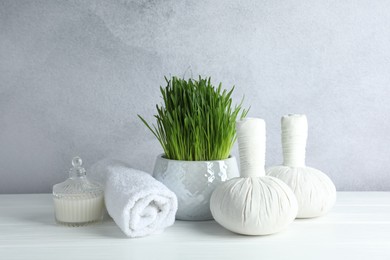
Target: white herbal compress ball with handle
x=315, y=192
x=253, y=204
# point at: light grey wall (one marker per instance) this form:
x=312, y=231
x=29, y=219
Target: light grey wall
x=74, y=75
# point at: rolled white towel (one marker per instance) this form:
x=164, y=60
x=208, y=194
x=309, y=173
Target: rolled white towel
x=139, y=204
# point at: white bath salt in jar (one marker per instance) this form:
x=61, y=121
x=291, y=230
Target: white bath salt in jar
x=315, y=191
x=78, y=201
x=253, y=204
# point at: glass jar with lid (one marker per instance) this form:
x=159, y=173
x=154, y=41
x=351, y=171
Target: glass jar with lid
x=78, y=201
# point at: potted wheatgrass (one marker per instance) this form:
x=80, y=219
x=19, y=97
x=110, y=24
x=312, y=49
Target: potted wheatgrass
x=195, y=126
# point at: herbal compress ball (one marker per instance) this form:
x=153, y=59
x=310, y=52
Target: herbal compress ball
x=253, y=204
x=315, y=192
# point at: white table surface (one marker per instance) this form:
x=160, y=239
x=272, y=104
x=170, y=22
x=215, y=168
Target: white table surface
x=358, y=227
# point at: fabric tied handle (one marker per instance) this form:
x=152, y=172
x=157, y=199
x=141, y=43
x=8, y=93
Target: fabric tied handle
x=294, y=138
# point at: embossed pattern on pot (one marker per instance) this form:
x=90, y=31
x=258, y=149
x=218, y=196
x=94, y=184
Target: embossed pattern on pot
x=193, y=183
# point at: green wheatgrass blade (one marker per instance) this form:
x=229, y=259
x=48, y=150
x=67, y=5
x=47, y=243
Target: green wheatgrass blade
x=196, y=121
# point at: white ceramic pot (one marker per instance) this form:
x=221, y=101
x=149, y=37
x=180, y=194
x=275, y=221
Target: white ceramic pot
x=193, y=183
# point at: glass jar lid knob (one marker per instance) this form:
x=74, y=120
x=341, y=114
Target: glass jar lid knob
x=77, y=170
